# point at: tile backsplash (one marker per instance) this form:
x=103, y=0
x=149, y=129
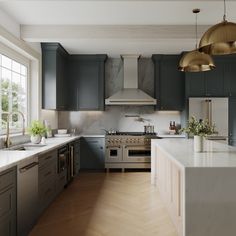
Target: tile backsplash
x=114, y=116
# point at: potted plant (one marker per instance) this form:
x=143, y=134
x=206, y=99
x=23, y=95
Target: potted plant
x=36, y=130
x=199, y=129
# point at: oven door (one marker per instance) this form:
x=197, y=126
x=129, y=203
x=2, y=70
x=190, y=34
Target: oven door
x=137, y=153
x=114, y=153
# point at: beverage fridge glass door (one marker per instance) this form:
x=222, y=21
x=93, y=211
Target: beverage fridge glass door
x=137, y=153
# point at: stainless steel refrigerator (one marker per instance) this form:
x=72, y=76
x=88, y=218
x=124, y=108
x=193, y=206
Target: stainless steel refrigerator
x=213, y=109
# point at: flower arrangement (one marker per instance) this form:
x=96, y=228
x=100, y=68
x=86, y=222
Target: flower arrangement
x=199, y=127
x=36, y=128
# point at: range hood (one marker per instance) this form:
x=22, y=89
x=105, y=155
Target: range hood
x=130, y=94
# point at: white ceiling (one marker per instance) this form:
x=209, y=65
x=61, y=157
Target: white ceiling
x=72, y=12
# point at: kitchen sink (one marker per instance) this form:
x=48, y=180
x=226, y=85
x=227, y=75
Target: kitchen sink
x=25, y=147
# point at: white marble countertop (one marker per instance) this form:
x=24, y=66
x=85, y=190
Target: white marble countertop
x=215, y=154
x=10, y=158
x=171, y=135
x=92, y=135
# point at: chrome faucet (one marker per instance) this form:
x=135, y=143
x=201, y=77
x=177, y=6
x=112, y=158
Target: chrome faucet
x=8, y=141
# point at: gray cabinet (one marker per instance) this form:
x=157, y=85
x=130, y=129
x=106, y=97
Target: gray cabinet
x=169, y=82
x=92, y=154
x=219, y=82
x=54, y=76
x=47, y=179
x=8, y=202
x=232, y=121
x=86, y=86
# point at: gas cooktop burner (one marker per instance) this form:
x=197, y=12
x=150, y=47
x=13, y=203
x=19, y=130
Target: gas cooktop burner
x=132, y=133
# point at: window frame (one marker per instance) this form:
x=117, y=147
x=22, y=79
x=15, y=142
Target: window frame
x=13, y=55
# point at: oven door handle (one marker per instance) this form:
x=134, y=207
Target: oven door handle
x=113, y=147
x=138, y=146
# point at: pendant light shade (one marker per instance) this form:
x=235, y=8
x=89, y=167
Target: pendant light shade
x=195, y=61
x=220, y=39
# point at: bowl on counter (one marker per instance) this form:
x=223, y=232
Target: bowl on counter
x=62, y=131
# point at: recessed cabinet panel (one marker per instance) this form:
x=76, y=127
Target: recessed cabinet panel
x=195, y=84
x=92, y=154
x=169, y=82
x=230, y=78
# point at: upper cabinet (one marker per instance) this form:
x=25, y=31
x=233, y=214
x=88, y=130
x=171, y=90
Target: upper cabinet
x=169, y=82
x=54, y=76
x=216, y=83
x=87, y=82
x=72, y=82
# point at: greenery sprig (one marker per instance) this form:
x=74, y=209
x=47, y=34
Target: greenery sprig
x=36, y=128
x=199, y=127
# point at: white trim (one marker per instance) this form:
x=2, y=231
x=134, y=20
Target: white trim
x=12, y=54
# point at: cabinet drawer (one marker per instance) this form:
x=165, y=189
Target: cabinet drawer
x=7, y=226
x=47, y=192
x=7, y=179
x=47, y=173
x=6, y=202
x=47, y=158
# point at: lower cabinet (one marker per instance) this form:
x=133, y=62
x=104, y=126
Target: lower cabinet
x=170, y=184
x=76, y=157
x=8, y=202
x=92, y=155
x=47, y=179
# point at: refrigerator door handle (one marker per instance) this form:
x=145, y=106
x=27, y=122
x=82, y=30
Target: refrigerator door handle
x=210, y=112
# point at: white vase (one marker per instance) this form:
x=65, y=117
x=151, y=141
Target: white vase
x=35, y=138
x=198, y=143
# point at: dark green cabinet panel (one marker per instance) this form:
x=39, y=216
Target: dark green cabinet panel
x=216, y=83
x=54, y=73
x=214, y=79
x=8, y=202
x=232, y=121
x=92, y=155
x=169, y=82
x=230, y=77
x=87, y=82
x=195, y=84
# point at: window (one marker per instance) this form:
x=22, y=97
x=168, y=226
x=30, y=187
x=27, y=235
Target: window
x=13, y=97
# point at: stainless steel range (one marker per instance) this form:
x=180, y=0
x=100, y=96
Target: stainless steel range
x=128, y=150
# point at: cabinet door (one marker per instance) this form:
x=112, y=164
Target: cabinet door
x=230, y=78
x=7, y=227
x=88, y=85
x=61, y=81
x=171, y=84
x=92, y=153
x=215, y=79
x=195, y=84
x=232, y=121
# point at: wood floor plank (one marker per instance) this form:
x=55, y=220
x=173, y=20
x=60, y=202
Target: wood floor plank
x=107, y=204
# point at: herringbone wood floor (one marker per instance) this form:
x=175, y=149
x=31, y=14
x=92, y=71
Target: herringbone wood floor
x=113, y=204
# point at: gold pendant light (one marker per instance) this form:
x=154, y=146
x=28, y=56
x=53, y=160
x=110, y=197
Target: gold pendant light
x=195, y=61
x=220, y=39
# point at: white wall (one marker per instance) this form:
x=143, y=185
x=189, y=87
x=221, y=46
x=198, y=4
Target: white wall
x=13, y=27
x=9, y=24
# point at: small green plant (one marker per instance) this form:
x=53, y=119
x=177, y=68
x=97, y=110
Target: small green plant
x=36, y=128
x=199, y=127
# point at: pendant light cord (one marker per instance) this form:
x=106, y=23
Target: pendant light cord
x=224, y=17
x=196, y=32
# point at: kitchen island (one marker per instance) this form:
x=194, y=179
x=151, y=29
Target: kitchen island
x=199, y=189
